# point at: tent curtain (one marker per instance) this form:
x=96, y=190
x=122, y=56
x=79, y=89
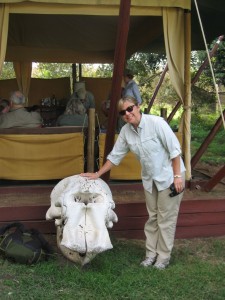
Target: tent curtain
x=4, y=23
x=23, y=75
x=93, y=7
x=173, y=25
x=41, y=156
x=187, y=97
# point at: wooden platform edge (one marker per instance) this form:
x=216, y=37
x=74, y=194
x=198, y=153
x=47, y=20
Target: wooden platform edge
x=204, y=218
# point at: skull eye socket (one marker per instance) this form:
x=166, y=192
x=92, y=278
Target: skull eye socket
x=88, y=198
x=77, y=198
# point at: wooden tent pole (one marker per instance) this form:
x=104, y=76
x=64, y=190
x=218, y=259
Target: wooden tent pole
x=91, y=140
x=119, y=62
x=215, y=179
x=187, y=96
x=74, y=76
x=157, y=89
x=80, y=72
x=173, y=112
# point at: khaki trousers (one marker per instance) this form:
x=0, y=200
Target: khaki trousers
x=161, y=226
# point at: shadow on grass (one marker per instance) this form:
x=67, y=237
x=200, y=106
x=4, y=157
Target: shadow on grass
x=197, y=271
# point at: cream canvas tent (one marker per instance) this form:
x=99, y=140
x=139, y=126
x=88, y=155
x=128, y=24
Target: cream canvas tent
x=94, y=31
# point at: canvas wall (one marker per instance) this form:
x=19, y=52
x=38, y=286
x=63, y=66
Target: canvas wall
x=39, y=88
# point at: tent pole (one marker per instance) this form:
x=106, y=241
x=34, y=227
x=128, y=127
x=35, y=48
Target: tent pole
x=74, y=75
x=91, y=140
x=119, y=62
x=187, y=96
x=80, y=72
x=157, y=89
x=195, y=159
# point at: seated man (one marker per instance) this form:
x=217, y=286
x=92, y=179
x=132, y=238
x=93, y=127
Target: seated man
x=85, y=96
x=74, y=115
x=18, y=116
x=4, y=106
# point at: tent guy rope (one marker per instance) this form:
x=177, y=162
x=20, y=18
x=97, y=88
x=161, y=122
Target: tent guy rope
x=210, y=63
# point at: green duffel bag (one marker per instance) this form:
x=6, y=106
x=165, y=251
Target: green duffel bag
x=25, y=246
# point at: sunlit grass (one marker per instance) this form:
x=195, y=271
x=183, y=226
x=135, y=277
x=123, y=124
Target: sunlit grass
x=197, y=271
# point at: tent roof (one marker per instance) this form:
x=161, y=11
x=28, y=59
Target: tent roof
x=66, y=38
x=212, y=15
x=85, y=30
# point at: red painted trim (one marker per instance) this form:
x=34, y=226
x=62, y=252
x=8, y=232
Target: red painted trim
x=196, y=219
x=212, y=205
x=26, y=189
x=26, y=213
x=200, y=231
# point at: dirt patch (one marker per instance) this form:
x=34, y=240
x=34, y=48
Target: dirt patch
x=204, y=248
x=205, y=170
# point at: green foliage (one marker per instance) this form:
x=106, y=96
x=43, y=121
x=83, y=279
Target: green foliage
x=52, y=70
x=147, y=68
x=7, y=71
x=142, y=63
x=104, y=70
x=196, y=272
x=217, y=60
x=201, y=126
x=202, y=100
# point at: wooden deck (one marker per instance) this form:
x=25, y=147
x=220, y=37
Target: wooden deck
x=201, y=214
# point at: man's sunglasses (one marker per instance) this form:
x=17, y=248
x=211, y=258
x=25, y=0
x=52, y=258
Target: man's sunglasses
x=129, y=109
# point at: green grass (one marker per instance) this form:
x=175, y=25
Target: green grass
x=196, y=272
x=200, y=128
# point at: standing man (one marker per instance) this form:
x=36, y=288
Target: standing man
x=131, y=88
x=155, y=145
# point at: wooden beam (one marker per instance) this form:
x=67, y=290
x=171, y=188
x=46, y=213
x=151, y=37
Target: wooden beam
x=207, y=141
x=119, y=62
x=157, y=89
x=215, y=179
x=91, y=140
x=74, y=76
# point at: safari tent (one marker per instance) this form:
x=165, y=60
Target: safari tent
x=79, y=31
x=98, y=32
x=103, y=31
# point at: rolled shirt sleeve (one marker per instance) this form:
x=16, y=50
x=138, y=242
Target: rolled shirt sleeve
x=120, y=149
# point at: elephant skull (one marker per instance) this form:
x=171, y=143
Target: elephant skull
x=83, y=210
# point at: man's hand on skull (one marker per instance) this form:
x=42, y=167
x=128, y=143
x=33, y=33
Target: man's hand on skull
x=92, y=176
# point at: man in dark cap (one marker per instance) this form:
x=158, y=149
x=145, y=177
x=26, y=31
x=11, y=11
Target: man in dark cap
x=131, y=88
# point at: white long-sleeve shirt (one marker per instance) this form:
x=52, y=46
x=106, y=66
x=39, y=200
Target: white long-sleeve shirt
x=155, y=145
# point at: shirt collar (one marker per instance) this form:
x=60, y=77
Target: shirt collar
x=141, y=124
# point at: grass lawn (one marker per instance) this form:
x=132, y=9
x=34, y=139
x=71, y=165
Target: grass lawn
x=201, y=125
x=200, y=128
x=197, y=271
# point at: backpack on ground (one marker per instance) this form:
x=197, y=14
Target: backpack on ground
x=25, y=246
